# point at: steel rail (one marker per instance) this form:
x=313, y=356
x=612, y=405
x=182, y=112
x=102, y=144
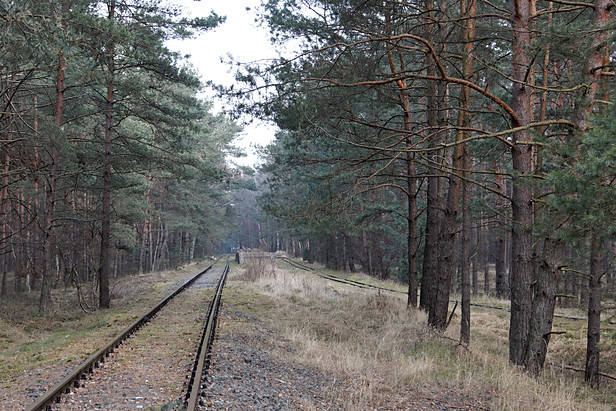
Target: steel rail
x=205, y=345
x=72, y=379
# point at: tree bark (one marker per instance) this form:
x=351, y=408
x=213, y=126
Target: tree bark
x=522, y=206
x=437, y=313
x=468, y=10
x=544, y=300
x=431, y=242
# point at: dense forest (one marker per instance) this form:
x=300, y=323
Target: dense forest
x=459, y=146
x=111, y=162
x=437, y=140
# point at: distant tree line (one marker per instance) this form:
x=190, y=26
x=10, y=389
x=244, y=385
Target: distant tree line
x=432, y=139
x=110, y=163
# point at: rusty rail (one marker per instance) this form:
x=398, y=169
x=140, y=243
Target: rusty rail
x=202, y=359
x=64, y=386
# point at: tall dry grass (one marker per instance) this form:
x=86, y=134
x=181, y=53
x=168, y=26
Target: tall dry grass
x=390, y=357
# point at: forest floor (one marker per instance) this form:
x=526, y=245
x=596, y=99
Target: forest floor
x=288, y=339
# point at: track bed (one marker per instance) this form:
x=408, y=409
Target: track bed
x=151, y=369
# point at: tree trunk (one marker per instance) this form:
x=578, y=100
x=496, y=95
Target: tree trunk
x=437, y=313
x=4, y=207
x=433, y=213
x=468, y=10
x=475, y=265
x=193, y=244
x=500, y=267
x=591, y=372
x=485, y=259
x=50, y=192
x=465, y=323
x=522, y=206
x=411, y=182
x=105, y=253
x=545, y=288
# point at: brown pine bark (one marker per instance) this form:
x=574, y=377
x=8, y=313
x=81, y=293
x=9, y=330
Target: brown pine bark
x=435, y=96
x=468, y=9
x=522, y=206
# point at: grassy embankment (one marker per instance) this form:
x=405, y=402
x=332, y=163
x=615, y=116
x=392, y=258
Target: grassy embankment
x=388, y=356
x=34, y=345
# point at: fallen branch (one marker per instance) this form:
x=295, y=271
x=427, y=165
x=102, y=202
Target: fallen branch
x=568, y=367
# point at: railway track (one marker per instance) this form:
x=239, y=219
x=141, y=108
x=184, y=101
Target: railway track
x=158, y=361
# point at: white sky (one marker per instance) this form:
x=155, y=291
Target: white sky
x=240, y=37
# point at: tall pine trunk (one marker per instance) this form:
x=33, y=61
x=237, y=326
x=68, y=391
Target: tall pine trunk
x=50, y=192
x=522, y=206
x=105, y=252
x=411, y=181
x=593, y=70
x=435, y=97
x=468, y=9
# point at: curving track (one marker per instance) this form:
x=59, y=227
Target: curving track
x=158, y=362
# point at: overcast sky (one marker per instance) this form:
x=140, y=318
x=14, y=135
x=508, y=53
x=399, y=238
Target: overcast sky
x=241, y=37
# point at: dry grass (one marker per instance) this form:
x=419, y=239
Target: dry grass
x=30, y=340
x=254, y=269
x=389, y=356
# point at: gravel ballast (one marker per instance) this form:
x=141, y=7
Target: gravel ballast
x=250, y=369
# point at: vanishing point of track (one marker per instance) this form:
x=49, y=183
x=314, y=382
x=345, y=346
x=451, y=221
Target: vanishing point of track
x=92, y=368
